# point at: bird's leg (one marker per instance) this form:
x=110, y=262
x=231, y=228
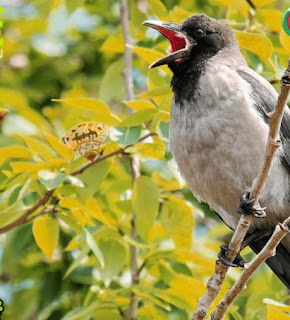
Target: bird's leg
x=239, y=261
x=247, y=207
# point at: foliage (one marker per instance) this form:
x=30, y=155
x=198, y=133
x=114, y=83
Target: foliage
x=71, y=259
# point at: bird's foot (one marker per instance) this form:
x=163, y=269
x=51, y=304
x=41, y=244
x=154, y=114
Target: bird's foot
x=238, y=261
x=247, y=208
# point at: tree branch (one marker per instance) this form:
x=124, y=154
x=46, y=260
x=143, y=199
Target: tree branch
x=273, y=143
x=127, y=72
x=268, y=251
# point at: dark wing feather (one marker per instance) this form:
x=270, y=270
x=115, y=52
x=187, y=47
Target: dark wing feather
x=266, y=98
x=280, y=263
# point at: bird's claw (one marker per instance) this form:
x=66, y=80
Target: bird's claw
x=238, y=262
x=247, y=208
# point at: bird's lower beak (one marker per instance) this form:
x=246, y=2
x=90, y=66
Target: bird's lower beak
x=180, y=46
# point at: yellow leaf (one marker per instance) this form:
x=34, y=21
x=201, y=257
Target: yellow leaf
x=187, y=288
x=277, y=304
x=275, y=314
x=150, y=56
x=178, y=14
x=93, y=210
x=140, y=104
x=158, y=9
x=164, y=116
x=32, y=167
x=39, y=147
x=178, y=221
x=70, y=203
x=14, y=152
x=149, y=297
x=157, y=92
x=272, y=19
x=19, y=103
x=56, y=4
x=114, y=42
x=99, y=108
x=82, y=217
x=46, y=232
x=154, y=150
x=262, y=3
x=256, y=43
x=164, y=183
x=7, y=173
x=59, y=147
x=285, y=41
x=139, y=117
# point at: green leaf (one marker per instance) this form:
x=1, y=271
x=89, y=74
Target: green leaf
x=51, y=179
x=114, y=257
x=92, y=178
x=83, y=253
x=158, y=9
x=145, y=202
x=125, y=136
x=95, y=248
x=112, y=84
x=139, y=117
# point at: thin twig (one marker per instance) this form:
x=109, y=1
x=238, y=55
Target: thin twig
x=23, y=219
x=268, y=251
x=127, y=72
x=215, y=282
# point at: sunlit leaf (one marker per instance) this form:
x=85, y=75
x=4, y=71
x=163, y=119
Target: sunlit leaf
x=150, y=56
x=59, y=147
x=46, y=232
x=158, y=9
x=114, y=254
x=99, y=108
x=14, y=152
x=95, y=248
x=256, y=43
x=140, y=104
x=145, y=201
x=139, y=117
x=272, y=19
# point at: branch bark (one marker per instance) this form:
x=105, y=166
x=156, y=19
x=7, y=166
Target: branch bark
x=273, y=143
x=268, y=251
x=127, y=72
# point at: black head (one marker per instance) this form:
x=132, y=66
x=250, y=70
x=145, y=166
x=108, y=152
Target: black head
x=193, y=41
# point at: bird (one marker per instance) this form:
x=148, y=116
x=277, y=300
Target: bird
x=218, y=131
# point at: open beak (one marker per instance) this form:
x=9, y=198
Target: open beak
x=180, y=46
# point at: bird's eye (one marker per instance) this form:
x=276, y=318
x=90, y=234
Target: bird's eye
x=200, y=33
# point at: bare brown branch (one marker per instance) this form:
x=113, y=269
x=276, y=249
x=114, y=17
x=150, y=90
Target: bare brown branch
x=127, y=72
x=268, y=251
x=215, y=282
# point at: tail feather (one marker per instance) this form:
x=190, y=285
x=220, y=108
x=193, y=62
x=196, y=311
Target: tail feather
x=280, y=263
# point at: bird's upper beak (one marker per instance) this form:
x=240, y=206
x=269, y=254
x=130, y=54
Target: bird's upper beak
x=180, y=46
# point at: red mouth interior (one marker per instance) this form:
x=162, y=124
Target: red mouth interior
x=177, y=42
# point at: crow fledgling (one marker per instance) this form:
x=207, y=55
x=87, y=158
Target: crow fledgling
x=219, y=129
